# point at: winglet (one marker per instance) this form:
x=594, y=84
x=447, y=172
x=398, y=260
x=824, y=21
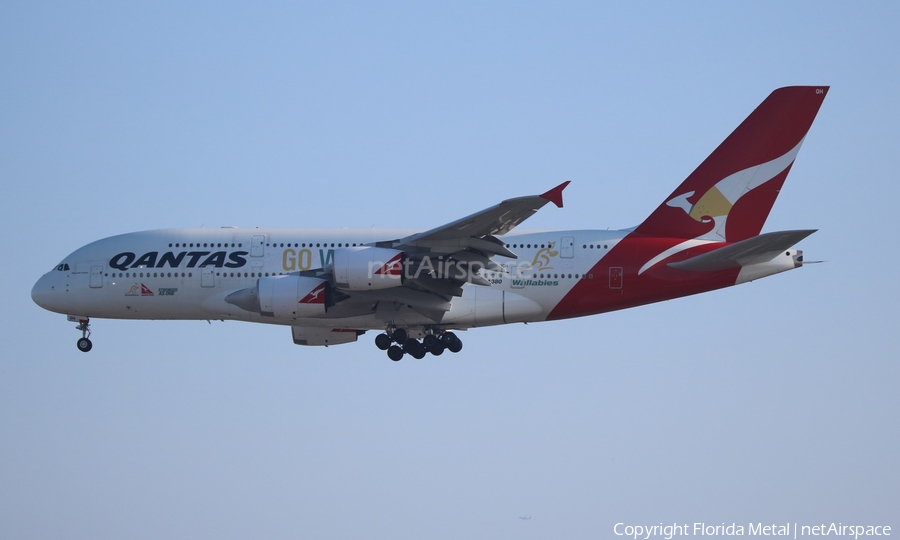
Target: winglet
x=555, y=194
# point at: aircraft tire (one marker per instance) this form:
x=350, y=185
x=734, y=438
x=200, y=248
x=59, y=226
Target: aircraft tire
x=395, y=353
x=411, y=346
x=418, y=353
x=438, y=349
x=456, y=346
x=452, y=342
x=84, y=344
x=383, y=341
x=429, y=341
x=399, y=336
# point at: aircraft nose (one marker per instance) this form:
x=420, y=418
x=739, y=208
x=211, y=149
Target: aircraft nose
x=43, y=292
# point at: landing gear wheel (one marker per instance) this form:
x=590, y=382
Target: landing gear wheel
x=452, y=342
x=430, y=341
x=395, y=353
x=382, y=341
x=415, y=349
x=399, y=336
x=84, y=326
x=438, y=349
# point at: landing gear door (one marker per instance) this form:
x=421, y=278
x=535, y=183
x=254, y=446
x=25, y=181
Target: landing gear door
x=96, y=277
x=257, y=243
x=567, y=247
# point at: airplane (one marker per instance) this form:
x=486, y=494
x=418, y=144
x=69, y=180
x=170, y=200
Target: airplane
x=417, y=289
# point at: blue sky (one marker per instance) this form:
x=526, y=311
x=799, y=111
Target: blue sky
x=775, y=401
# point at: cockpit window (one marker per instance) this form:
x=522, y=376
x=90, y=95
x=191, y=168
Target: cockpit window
x=62, y=268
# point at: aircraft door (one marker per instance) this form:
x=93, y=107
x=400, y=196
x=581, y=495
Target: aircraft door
x=567, y=247
x=615, y=277
x=96, y=277
x=207, y=276
x=257, y=245
x=515, y=278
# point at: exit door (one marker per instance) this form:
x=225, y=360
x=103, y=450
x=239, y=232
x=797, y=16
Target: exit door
x=615, y=277
x=567, y=247
x=207, y=277
x=96, y=277
x=257, y=244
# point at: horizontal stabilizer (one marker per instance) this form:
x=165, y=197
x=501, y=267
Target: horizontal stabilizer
x=759, y=249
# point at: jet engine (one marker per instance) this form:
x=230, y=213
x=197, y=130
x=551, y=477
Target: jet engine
x=291, y=296
x=284, y=297
x=367, y=268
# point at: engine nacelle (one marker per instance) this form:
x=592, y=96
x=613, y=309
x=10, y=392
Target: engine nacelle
x=324, y=336
x=289, y=297
x=367, y=268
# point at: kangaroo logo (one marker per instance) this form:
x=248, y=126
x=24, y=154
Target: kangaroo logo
x=141, y=290
x=710, y=206
x=541, y=260
x=715, y=205
x=313, y=297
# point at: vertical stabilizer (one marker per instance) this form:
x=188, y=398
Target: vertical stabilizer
x=729, y=196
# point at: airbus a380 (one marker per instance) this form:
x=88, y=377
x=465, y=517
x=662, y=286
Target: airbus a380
x=415, y=288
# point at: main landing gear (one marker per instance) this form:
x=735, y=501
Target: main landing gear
x=84, y=344
x=398, y=343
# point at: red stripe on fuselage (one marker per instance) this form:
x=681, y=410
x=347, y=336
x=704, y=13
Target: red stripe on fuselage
x=659, y=282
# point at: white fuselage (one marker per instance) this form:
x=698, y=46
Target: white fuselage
x=188, y=273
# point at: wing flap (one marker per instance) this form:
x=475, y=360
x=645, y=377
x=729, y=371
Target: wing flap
x=405, y=295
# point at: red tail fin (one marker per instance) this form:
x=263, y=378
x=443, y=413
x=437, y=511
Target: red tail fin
x=729, y=196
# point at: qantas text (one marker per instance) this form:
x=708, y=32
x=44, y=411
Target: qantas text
x=217, y=259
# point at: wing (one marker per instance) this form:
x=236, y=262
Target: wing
x=468, y=244
x=485, y=225
x=441, y=260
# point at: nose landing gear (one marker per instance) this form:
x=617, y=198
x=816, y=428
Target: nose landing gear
x=84, y=344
